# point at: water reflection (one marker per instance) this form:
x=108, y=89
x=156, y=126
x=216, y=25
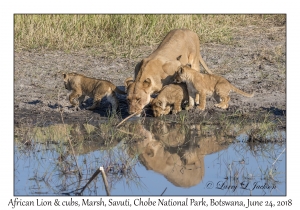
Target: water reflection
x=175, y=151
x=62, y=158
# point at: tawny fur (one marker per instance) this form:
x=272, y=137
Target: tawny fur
x=170, y=95
x=156, y=71
x=82, y=86
x=207, y=84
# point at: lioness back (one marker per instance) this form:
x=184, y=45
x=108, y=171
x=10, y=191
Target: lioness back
x=82, y=86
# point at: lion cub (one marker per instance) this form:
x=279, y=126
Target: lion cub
x=207, y=84
x=173, y=94
x=82, y=86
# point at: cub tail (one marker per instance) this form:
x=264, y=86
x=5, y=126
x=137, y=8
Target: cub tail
x=235, y=89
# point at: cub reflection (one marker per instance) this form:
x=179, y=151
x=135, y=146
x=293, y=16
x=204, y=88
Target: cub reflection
x=176, y=151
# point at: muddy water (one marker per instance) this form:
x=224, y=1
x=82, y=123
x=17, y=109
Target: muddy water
x=147, y=157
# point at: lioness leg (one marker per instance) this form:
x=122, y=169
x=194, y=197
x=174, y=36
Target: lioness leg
x=191, y=61
x=202, y=98
x=197, y=100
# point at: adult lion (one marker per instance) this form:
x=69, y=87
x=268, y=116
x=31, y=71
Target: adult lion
x=180, y=46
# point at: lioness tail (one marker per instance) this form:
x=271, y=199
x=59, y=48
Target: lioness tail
x=204, y=65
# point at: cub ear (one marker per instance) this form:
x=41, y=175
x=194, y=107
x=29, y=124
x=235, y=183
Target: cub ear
x=178, y=58
x=159, y=103
x=189, y=65
x=180, y=71
x=65, y=75
x=147, y=83
x=128, y=82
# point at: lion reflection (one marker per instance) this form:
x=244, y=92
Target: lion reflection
x=175, y=151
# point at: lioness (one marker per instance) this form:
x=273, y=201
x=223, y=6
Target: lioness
x=156, y=71
x=207, y=84
x=173, y=94
x=94, y=88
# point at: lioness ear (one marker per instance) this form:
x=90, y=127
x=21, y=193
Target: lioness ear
x=147, y=83
x=138, y=68
x=149, y=152
x=128, y=82
x=178, y=58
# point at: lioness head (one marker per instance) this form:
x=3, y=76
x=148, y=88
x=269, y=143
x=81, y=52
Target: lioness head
x=151, y=76
x=138, y=95
x=158, y=108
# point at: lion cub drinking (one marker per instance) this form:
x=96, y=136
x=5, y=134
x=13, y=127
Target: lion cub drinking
x=82, y=86
x=207, y=84
x=173, y=94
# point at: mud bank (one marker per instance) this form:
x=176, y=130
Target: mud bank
x=255, y=62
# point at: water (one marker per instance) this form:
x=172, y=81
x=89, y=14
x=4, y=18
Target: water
x=148, y=158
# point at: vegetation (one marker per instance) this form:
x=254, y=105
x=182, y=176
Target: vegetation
x=118, y=150
x=75, y=151
x=124, y=33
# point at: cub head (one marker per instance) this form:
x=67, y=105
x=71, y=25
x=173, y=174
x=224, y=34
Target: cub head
x=177, y=78
x=70, y=79
x=180, y=75
x=158, y=108
x=66, y=81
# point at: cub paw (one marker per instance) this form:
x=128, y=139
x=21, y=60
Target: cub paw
x=201, y=107
x=175, y=111
x=188, y=108
x=222, y=106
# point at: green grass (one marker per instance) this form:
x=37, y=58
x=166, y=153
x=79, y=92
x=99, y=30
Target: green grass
x=124, y=33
